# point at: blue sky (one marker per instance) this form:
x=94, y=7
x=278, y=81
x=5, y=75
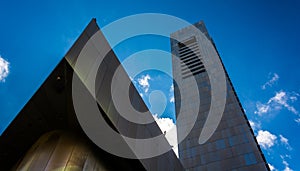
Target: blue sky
x=257, y=41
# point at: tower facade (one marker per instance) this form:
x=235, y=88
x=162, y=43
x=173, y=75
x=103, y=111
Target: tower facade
x=220, y=137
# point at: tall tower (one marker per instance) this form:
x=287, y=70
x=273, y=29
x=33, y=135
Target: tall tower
x=228, y=142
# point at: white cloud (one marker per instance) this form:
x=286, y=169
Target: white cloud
x=144, y=82
x=254, y=125
x=4, y=69
x=171, y=94
x=285, y=156
x=285, y=141
x=172, y=99
x=286, y=166
x=280, y=100
x=285, y=163
x=293, y=98
x=165, y=125
x=262, y=108
x=172, y=88
x=265, y=139
x=272, y=81
x=297, y=120
x=272, y=168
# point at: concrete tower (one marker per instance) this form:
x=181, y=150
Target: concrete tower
x=227, y=141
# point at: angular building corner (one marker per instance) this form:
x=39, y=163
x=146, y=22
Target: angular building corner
x=47, y=135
